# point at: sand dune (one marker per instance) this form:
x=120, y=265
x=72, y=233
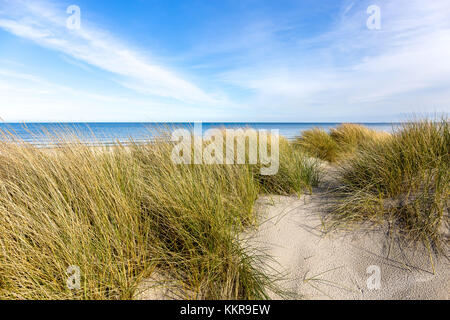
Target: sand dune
x=316, y=265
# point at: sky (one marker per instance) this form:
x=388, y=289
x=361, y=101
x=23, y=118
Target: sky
x=228, y=60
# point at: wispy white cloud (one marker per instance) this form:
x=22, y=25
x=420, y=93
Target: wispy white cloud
x=273, y=65
x=27, y=97
x=351, y=72
x=44, y=24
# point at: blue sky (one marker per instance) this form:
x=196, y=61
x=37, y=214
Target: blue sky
x=236, y=60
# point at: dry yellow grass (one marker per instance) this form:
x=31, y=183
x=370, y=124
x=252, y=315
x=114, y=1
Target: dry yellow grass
x=349, y=137
x=125, y=213
x=404, y=177
x=341, y=143
x=319, y=144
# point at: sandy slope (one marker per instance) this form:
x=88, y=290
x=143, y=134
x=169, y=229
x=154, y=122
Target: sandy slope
x=316, y=265
x=334, y=266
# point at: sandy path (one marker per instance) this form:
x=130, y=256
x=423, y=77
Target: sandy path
x=316, y=265
x=334, y=266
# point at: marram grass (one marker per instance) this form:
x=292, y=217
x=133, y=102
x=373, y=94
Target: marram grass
x=401, y=177
x=319, y=144
x=340, y=143
x=404, y=178
x=124, y=214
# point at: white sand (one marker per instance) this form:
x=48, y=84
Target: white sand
x=334, y=266
x=316, y=265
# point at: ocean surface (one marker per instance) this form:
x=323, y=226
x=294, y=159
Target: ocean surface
x=107, y=133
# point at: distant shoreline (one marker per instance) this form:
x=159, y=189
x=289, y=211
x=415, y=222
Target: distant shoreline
x=111, y=132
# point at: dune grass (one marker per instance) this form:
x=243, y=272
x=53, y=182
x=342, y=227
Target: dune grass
x=124, y=214
x=319, y=144
x=405, y=178
x=340, y=143
x=297, y=172
x=349, y=137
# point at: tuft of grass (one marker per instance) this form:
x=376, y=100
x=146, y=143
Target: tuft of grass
x=349, y=137
x=341, y=143
x=319, y=144
x=72, y=206
x=405, y=178
x=297, y=172
x=124, y=214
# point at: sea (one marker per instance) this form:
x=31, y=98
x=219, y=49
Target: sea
x=113, y=132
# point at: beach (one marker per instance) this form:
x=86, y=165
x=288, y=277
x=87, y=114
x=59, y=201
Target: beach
x=348, y=213
x=316, y=264
x=224, y=159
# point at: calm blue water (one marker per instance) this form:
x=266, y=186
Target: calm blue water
x=112, y=132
